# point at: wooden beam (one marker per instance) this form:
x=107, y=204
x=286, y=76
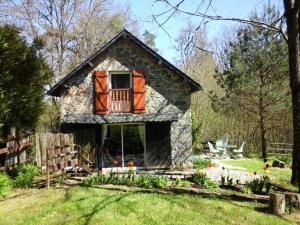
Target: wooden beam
x=3, y=150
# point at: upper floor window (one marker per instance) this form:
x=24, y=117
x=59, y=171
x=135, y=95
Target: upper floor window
x=118, y=92
x=120, y=81
x=120, y=96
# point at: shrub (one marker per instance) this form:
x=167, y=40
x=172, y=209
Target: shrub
x=6, y=185
x=202, y=180
x=150, y=181
x=25, y=176
x=111, y=178
x=223, y=179
x=201, y=163
x=229, y=180
x=180, y=183
x=146, y=181
x=259, y=185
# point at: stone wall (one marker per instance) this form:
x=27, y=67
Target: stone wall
x=165, y=92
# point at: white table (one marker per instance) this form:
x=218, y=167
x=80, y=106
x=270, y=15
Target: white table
x=223, y=149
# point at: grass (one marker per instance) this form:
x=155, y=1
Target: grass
x=278, y=176
x=81, y=205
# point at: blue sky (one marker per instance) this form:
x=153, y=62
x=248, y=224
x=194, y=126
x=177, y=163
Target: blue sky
x=142, y=10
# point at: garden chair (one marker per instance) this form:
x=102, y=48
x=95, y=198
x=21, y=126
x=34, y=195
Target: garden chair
x=212, y=150
x=221, y=145
x=223, y=141
x=238, y=153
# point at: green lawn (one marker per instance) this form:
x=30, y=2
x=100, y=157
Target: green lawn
x=80, y=205
x=279, y=176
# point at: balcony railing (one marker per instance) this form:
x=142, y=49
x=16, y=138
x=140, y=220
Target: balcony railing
x=119, y=100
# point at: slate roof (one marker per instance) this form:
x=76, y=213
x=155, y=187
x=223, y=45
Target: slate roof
x=124, y=33
x=118, y=118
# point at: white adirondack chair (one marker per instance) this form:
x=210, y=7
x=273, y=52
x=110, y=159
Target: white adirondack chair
x=223, y=141
x=238, y=153
x=221, y=145
x=212, y=150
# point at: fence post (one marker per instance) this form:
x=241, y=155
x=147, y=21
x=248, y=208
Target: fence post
x=48, y=170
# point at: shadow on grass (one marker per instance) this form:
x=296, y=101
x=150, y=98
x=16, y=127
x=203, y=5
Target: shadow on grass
x=12, y=197
x=205, y=193
x=98, y=206
x=103, y=204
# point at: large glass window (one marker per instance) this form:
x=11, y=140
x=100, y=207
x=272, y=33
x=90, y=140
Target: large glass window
x=112, y=154
x=123, y=145
x=133, y=138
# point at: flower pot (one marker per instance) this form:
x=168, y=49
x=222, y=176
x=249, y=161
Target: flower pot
x=130, y=164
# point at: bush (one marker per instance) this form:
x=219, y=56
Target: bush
x=260, y=185
x=147, y=181
x=228, y=180
x=111, y=178
x=150, y=181
x=201, y=163
x=181, y=183
x=25, y=176
x=202, y=180
x=6, y=185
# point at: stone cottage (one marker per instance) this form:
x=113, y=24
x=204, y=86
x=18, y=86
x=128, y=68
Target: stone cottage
x=128, y=107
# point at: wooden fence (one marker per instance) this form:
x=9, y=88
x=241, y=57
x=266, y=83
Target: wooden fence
x=280, y=149
x=46, y=141
x=14, y=150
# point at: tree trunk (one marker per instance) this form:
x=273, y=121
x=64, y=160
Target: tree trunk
x=277, y=203
x=263, y=142
x=18, y=145
x=292, y=200
x=293, y=20
x=263, y=139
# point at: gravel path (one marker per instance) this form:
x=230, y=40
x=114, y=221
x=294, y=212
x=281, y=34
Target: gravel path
x=219, y=169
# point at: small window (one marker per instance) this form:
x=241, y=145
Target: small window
x=119, y=81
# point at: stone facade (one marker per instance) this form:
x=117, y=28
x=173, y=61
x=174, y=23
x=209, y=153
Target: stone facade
x=166, y=92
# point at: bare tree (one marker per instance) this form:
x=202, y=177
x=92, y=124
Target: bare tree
x=191, y=44
x=292, y=36
x=95, y=26
x=70, y=29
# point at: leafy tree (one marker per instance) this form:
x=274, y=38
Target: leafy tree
x=255, y=76
x=23, y=74
x=49, y=119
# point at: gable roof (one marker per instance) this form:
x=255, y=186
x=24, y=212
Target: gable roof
x=54, y=91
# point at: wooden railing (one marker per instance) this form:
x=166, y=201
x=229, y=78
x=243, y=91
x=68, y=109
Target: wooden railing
x=13, y=143
x=71, y=158
x=280, y=148
x=120, y=100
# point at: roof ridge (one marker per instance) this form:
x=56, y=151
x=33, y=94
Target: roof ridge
x=102, y=48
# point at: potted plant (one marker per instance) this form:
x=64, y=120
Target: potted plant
x=130, y=163
x=114, y=163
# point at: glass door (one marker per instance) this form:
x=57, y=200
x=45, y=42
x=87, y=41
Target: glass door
x=112, y=146
x=134, y=143
x=123, y=145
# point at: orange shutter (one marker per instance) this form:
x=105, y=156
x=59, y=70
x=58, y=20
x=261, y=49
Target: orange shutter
x=139, y=90
x=101, y=92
